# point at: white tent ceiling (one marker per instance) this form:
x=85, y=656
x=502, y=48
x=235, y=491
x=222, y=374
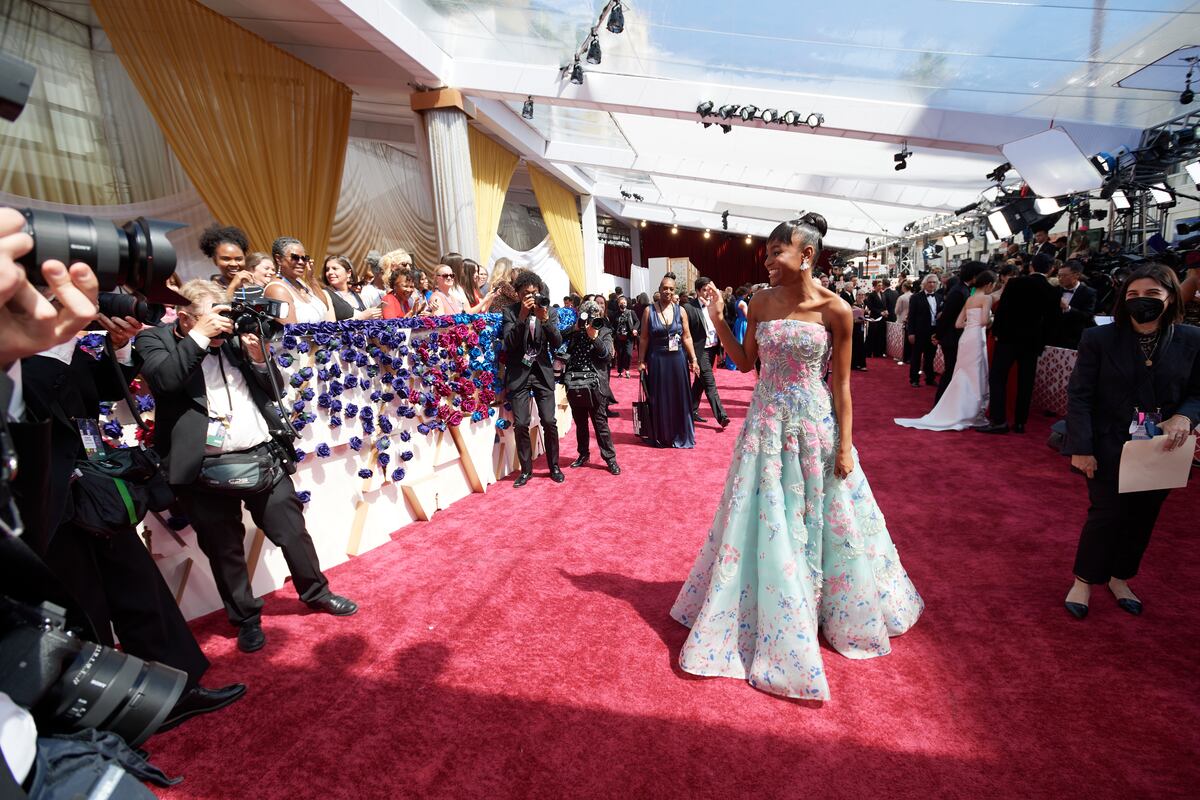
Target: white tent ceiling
x=955, y=79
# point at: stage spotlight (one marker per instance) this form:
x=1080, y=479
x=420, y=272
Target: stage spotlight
x=725, y=220
x=770, y=116
x=705, y=109
x=1193, y=171
x=1161, y=196
x=792, y=118
x=999, y=224
x=643, y=224
x=1184, y=228
x=593, y=53
x=1104, y=163
x=674, y=229
x=577, y=74
x=749, y=239
x=1187, y=96
x=616, y=19
x=726, y=128
x=999, y=172
x=748, y=113
x=901, y=158
x=814, y=120
x=1099, y=213
x=527, y=109
x=1120, y=200
x=725, y=112
x=707, y=233
x=1046, y=205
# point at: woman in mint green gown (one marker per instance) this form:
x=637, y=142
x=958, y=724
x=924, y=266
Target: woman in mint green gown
x=798, y=547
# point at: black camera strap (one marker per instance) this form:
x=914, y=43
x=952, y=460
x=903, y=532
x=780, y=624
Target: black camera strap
x=123, y=382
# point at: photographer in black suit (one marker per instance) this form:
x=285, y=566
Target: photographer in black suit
x=530, y=335
x=214, y=397
x=1078, y=303
x=589, y=354
x=1024, y=320
x=947, y=333
x=923, y=309
x=1147, y=363
x=705, y=344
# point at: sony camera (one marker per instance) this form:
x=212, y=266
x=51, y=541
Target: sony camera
x=253, y=312
x=136, y=254
x=541, y=300
x=69, y=684
x=116, y=304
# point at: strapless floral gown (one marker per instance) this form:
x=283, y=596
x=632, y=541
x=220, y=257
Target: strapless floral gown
x=793, y=551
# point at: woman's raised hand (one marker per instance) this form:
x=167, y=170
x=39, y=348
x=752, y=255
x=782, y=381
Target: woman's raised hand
x=716, y=303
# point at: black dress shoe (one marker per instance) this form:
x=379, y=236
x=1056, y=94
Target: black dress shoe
x=697, y=418
x=557, y=476
x=334, y=604
x=1000, y=428
x=1078, y=610
x=521, y=480
x=613, y=468
x=610, y=414
x=251, y=637
x=1018, y=427
x=1129, y=605
x=201, y=701
x=723, y=422
x=579, y=461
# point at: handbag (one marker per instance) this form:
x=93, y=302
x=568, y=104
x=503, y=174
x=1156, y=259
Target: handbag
x=643, y=422
x=241, y=473
x=581, y=386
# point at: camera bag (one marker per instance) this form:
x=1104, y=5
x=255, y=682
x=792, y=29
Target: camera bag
x=241, y=473
x=643, y=422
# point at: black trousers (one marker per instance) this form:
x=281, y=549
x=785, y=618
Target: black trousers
x=624, y=354
x=922, y=350
x=877, y=339
x=217, y=520
x=858, y=346
x=596, y=412
x=544, y=397
x=1003, y=357
x=118, y=587
x=706, y=383
x=1117, y=531
x=950, y=357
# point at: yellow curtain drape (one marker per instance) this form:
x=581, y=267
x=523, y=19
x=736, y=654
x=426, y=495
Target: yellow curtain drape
x=261, y=134
x=560, y=212
x=492, y=168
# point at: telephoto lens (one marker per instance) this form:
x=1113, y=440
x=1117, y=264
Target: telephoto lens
x=115, y=304
x=136, y=254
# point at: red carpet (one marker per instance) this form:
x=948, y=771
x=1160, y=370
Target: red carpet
x=518, y=646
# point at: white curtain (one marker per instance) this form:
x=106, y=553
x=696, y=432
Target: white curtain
x=453, y=181
x=541, y=259
x=639, y=281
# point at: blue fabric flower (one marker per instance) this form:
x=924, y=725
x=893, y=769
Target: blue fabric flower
x=397, y=475
x=385, y=423
x=300, y=455
x=145, y=403
x=405, y=436
x=324, y=450
x=351, y=410
x=335, y=422
x=356, y=443
x=365, y=473
x=304, y=497
x=406, y=455
x=308, y=394
x=112, y=429
x=384, y=459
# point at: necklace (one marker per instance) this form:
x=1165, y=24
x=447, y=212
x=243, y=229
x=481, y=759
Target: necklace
x=1147, y=343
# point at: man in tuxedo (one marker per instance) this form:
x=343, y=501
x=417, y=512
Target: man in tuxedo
x=1042, y=244
x=1024, y=321
x=213, y=395
x=1078, y=303
x=705, y=344
x=923, y=310
x=849, y=291
x=530, y=335
x=876, y=308
x=946, y=331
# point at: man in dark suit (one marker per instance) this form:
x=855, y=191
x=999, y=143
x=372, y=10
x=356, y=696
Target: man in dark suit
x=890, y=296
x=876, y=308
x=1024, y=320
x=849, y=291
x=946, y=330
x=923, y=309
x=213, y=397
x=705, y=344
x=530, y=335
x=1042, y=245
x=1078, y=303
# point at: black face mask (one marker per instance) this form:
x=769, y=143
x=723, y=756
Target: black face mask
x=1145, y=309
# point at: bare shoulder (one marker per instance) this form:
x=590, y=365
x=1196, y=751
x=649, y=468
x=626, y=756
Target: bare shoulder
x=833, y=308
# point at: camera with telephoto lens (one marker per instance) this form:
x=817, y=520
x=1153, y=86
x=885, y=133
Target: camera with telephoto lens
x=116, y=304
x=597, y=321
x=541, y=300
x=136, y=255
x=253, y=312
x=69, y=684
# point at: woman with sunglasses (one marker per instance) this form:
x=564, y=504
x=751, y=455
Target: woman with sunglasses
x=347, y=303
x=306, y=303
x=444, y=301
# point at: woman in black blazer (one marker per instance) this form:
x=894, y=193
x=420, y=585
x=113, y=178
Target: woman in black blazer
x=1144, y=361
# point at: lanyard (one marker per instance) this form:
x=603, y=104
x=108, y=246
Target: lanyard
x=225, y=380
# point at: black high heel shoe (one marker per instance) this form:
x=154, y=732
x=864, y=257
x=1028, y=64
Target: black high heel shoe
x=1128, y=604
x=1078, y=610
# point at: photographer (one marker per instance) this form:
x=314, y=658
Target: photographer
x=589, y=354
x=530, y=334
x=625, y=323
x=213, y=394
x=1143, y=370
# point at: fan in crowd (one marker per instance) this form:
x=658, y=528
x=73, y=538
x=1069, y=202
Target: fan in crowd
x=336, y=274
x=295, y=286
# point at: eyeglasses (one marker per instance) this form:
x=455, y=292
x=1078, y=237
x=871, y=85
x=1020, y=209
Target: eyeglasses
x=299, y=259
x=447, y=275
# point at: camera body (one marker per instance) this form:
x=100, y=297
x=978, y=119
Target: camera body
x=253, y=312
x=541, y=300
x=596, y=322
x=71, y=684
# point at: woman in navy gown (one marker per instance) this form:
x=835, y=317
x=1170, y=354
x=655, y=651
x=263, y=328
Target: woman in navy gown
x=664, y=342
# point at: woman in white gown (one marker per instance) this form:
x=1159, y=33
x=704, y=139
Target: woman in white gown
x=964, y=405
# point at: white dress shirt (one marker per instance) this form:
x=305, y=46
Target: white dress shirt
x=710, y=333
x=229, y=399
x=929, y=296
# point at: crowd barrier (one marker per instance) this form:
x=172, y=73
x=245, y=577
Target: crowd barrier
x=396, y=420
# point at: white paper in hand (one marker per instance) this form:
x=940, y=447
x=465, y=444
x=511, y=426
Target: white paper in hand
x=1146, y=466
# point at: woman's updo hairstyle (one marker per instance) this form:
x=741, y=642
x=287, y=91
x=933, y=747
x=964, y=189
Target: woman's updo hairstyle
x=811, y=227
x=280, y=245
x=215, y=235
x=985, y=278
